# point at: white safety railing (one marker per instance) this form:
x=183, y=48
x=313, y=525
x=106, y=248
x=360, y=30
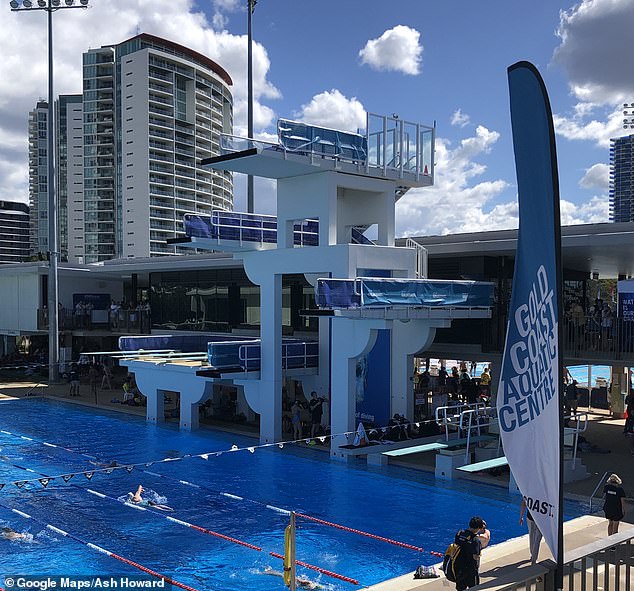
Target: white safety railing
x=450, y=416
x=596, y=488
x=581, y=424
x=474, y=419
x=421, y=257
x=294, y=355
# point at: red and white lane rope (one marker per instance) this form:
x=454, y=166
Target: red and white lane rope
x=240, y=498
x=323, y=571
x=101, y=550
x=151, y=511
x=360, y=532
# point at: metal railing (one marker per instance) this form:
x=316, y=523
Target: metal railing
x=122, y=321
x=421, y=257
x=294, y=355
x=450, y=416
x=596, y=488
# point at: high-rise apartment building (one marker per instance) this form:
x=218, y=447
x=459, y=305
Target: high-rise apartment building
x=150, y=111
x=622, y=179
x=14, y=232
x=38, y=177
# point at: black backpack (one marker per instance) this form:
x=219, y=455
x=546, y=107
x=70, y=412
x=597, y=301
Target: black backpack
x=456, y=554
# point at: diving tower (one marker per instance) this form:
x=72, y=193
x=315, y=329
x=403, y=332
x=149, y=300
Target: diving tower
x=332, y=186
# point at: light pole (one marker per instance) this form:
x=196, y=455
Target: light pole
x=250, y=9
x=50, y=6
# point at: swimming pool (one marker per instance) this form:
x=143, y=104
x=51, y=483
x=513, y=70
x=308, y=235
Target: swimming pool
x=397, y=503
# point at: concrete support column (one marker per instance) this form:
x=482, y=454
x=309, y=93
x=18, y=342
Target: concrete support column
x=618, y=391
x=353, y=338
x=189, y=415
x=271, y=359
x=155, y=411
x=407, y=338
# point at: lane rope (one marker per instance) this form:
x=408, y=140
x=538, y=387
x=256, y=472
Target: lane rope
x=323, y=571
x=101, y=550
x=260, y=503
x=151, y=511
x=360, y=532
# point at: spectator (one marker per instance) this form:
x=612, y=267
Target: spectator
x=315, y=406
x=614, y=504
x=571, y=396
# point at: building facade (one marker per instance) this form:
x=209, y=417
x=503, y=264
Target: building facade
x=128, y=151
x=152, y=110
x=622, y=179
x=38, y=178
x=14, y=232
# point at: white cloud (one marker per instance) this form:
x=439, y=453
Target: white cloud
x=23, y=75
x=594, y=50
x=459, y=202
x=460, y=119
x=333, y=109
x=591, y=212
x=455, y=203
x=397, y=49
x=596, y=177
x=585, y=125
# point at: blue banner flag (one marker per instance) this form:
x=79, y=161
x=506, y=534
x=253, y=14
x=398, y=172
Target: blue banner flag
x=528, y=394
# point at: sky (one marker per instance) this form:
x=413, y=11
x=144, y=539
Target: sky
x=328, y=62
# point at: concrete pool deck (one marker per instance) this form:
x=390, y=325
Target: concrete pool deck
x=510, y=559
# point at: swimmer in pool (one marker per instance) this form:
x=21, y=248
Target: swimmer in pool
x=6, y=533
x=137, y=499
x=302, y=582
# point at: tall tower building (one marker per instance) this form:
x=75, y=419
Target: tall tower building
x=38, y=178
x=69, y=161
x=622, y=179
x=128, y=151
x=152, y=111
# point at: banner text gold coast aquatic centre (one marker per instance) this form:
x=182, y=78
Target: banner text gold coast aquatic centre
x=533, y=357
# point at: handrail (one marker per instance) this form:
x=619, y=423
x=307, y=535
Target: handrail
x=596, y=488
x=446, y=419
x=421, y=257
x=581, y=418
x=470, y=414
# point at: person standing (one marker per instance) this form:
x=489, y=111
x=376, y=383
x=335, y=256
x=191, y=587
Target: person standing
x=471, y=542
x=614, y=503
x=296, y=419
x=534, y=534
x=316, y=407
x=570, y=397
x=628, y=430
x=93, y=376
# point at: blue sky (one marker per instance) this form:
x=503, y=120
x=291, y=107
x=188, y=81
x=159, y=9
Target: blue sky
x=326, y=62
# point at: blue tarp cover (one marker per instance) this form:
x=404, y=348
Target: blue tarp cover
x=372, y=292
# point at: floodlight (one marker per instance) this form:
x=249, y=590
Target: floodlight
x=27, y=3
x=55, y=2
x=69, y=2
x=14, y=4
x=41, y=3
x=83, y=2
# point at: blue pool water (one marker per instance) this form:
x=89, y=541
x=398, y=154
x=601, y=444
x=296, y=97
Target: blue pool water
x=402, y=504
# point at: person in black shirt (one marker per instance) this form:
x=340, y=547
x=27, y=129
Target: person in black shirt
x=315, y=406
x=614, y=504
x=471, y=542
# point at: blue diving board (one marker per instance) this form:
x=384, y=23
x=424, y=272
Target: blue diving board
x=436, y=445
x=485, y=465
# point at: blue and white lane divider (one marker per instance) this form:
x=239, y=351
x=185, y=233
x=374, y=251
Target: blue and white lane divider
x=99, y=549
x=245, y=499
x=151, y=511
x=152, y=473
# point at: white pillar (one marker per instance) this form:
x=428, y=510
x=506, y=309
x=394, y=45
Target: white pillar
x=155, y=411
x=271, y=359
x=408, y=338
x=189, y=415
x=350, y=338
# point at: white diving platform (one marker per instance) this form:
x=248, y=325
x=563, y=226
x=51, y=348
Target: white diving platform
x=436, y=446
x=484, y=465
